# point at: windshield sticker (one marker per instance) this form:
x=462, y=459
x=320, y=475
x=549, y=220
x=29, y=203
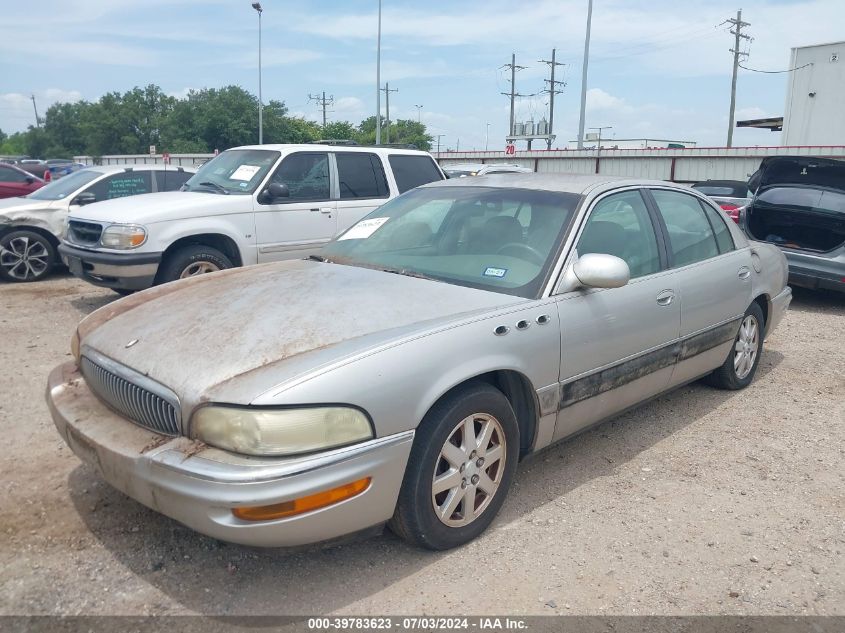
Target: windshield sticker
x=363, y=229
x=499, y=273
x=245, y=172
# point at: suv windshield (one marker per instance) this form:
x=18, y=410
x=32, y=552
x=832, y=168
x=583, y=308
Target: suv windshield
x=499, y=239
x=238, y=171
x=59, y=189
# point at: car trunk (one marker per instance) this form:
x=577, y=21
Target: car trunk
x=799, y=203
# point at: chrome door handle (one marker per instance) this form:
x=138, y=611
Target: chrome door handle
x=744, y=272
x=665, y=298
x=326, y=210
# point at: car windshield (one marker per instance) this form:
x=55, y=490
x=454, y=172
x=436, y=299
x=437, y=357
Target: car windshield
x=499, y=239
x=60, y=189
x=237, y=171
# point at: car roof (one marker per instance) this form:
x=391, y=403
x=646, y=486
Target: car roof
x=567, y=183
x=113, y=169
x=312, y=147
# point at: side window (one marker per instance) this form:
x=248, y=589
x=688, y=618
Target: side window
x=412, y=171
x=129, y=183
x=171, y=179
x=717, y=221
x=11, y=175
x=690, y=237
x=307, y=176
x=360, y=176
x=620, y=225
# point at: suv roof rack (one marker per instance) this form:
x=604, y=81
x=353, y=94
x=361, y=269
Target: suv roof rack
x=335, y=141
x=396, y=145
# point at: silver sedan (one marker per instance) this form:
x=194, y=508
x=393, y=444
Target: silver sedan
x=401, y=376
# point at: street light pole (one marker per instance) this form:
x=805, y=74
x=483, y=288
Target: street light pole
x=584, y=76
x=419, y=109
x=378, y=78
x=257, y=7
x=487, y=138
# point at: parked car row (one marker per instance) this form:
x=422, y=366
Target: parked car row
x=399, y=374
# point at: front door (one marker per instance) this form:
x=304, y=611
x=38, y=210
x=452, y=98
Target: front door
x=296, y=226
x=617, y=344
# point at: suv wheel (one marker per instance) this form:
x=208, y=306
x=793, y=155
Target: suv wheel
x=25, y=256
x=190, y=261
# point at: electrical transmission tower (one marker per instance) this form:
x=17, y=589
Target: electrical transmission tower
x=552, y=91
x=324, y=102
x=738, y=25
x=513, y=94
x=387, y=90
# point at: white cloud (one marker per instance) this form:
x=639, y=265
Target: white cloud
x=16, y=112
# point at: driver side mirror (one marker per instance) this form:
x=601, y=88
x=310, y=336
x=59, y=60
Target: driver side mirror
x=274, y=191
x=600, y=270
x=29, y=180
x=86, y=197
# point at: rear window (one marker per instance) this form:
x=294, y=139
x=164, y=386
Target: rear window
x=171, y=179
x=413, y=171
x=360, y=176
x=731, y=191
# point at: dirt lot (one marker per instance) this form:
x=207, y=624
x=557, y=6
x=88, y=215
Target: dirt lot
x=703, y=502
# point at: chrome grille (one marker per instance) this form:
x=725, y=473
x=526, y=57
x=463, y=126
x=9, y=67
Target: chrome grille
x=86, y=233
x=140, y=405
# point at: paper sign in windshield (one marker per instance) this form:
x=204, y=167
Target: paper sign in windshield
x=363, y=229
x=495, y=272
x=245, y=172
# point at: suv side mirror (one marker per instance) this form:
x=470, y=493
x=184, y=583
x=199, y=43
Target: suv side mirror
x=599, y=270
x=272, y=192
x=86, y=197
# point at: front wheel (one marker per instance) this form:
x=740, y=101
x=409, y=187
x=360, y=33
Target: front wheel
x=739, y=367
x=25, y=256
x=460, y=469
x=190, y=261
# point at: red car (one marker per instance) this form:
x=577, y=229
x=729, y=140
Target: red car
x=17, y=182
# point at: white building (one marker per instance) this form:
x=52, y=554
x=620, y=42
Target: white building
x=815, y=97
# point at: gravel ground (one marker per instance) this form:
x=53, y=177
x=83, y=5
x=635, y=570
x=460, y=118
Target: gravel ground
x=701, y=502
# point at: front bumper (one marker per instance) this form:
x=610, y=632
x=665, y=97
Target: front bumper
x=198, y=485
x=126, y=271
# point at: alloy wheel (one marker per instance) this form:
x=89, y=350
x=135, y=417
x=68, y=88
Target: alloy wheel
x=469, y=470
x=746, y=347
x=198, y=268
x=24, y=259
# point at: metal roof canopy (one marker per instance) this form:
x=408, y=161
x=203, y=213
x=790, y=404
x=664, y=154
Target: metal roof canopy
x=775, y=124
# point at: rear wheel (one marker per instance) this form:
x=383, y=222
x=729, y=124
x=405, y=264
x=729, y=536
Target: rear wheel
x=460, y=469
x=190, y=261
x=25, y=256
x=739, y=367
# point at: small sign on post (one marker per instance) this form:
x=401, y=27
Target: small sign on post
x=165, y=157
x=216, y=152
x=510, y=149
x=152, y=150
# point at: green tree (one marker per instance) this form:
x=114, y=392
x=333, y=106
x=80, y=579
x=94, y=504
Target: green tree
x=340, y=130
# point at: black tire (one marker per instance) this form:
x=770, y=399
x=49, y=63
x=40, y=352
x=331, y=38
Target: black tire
x=177, y=265
x=727, y=376
x=415, y=519
x=124, y=292
x=25, y=256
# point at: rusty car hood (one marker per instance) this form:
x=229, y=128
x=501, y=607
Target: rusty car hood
x=229, y=336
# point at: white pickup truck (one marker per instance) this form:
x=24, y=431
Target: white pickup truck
x=248, y=205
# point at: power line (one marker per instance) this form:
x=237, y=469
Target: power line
x=323, y=102
x=775, y=72
x=513, y=94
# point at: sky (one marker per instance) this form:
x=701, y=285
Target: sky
x=658, y=68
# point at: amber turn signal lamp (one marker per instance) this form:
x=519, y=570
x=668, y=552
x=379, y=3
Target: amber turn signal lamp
x=303, y=504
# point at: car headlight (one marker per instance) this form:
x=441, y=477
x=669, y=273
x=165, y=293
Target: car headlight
x=256, y=431
x=123, y=236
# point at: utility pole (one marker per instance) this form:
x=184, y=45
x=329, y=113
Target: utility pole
x=378, y=78
x=257, y=7
x=584, y=77
x=552, y=90
x=387, y=92
x=439, y=136
x=323, y=102
x=738, y=25
x=37, y=120
x=513, y=94
x=487, y=138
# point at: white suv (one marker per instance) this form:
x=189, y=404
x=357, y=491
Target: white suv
x=248, y=205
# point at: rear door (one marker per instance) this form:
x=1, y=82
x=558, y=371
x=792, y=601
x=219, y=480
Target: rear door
x=298, y=225
x=713, y=280
x=413, y=170
x=617, y=344
x=362, y=186
x=171, y=179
